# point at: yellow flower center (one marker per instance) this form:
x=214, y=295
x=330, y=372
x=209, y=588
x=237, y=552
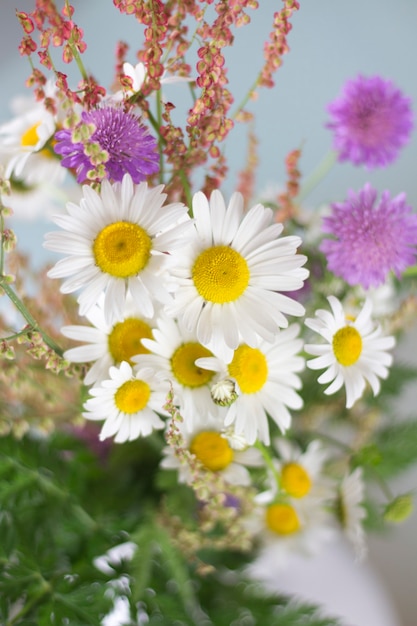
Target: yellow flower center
x=220, y=274
x=347, y=345
x=124, y=341
x=282, y=519
x=184, y=368
x=249, y=368
x=30, y=137
x=295, y=480
x=132, y=396
x=212, y=450
x=122, y=249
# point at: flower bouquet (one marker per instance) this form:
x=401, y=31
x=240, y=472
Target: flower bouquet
x=199, y=380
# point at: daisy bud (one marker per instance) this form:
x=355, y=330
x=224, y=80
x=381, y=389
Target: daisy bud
x=224, y=392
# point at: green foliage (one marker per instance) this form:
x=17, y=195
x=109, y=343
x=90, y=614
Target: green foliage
x=394, y=449
x=239, y=602
x=55, y=520
x=49, y=537
x=225, y=600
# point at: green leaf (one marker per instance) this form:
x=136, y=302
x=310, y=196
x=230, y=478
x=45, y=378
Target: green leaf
x=397, y=446
x=142, y=561
x=232, y=603
x=155, y=545
x=48, y=538
x=178, y=570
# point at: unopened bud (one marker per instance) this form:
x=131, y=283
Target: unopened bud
x=224, y=392
x=399, y=509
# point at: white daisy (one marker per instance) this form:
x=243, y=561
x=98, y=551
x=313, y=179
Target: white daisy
x=230, y=276
x=356, y=352
x=129, y=402
x=266, y=381
x=210, y=445
x=351, y=511
x=137, y=74
x=294, y=514
x=286, y=526
x=31, y=203
x=116, y=242
x=301, y=472
x=174, y=352
x=108, y=344
x=23, y=145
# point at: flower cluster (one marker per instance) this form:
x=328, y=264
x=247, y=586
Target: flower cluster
x=196, y=315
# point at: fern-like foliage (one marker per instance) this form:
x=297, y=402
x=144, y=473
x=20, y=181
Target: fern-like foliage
x=55, y=522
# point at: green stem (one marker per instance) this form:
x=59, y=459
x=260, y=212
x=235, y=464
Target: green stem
x=187, y=191
x=13, y=336
x=316, y=176
x=269, y=462
x=155, y=126
x=382, y=484
x=247, y=97
x=28, y=317
x=79, y=63
x=160, y=140
x=75, y=608
x=60, y=494
x=1, y=242
x=410, y=272
x=44, y=590
x=75, y=52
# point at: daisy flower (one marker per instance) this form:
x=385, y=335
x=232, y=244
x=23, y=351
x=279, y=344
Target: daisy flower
x=301, y=472
x=371, y=121
x=370, y=239
x=42, y=200
x=23, y=143
x=210, y=444
x=351, y=511
x=108, y=344
x=137, y=75
x=174, y=352
x=355, y=351
x=230, y=277
x=129, y=402
x=115, y=241
x=126, y=142
x=266, y=379
x=286, y=526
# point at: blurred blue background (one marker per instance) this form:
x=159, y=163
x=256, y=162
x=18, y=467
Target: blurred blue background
x=332, y=41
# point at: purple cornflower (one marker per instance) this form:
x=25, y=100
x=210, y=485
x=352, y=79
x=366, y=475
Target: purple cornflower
x=130, y=147
x=371, y=239
x=371, y=122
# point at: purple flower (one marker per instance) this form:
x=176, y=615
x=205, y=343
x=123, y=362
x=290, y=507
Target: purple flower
x=130, y=147
x=371, y=239
x=371, y=122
